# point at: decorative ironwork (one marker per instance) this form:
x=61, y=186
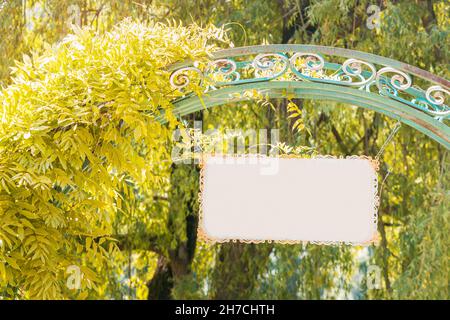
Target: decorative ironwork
x=305, y=66
x=181, y=78
x=270, y=65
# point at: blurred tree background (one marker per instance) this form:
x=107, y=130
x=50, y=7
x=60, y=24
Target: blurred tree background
x=160, y=257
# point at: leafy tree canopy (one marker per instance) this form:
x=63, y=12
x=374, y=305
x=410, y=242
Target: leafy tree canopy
x=78, y=135
x=82, y=159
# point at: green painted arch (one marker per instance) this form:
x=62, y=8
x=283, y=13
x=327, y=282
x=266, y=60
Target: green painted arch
x=407, y=111
x=434, y=129
x=325, y=50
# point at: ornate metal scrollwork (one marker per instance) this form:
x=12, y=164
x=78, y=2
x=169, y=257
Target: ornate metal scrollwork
x=437, y=97
x=354, y=68
x=311, y=67
x=270, y=65
x=306, y=66
x=179, y=79
x=399, y=81
x=313, y=62
x=222, y=71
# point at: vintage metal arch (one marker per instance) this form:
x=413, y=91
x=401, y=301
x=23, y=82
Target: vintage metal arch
x=304, y=71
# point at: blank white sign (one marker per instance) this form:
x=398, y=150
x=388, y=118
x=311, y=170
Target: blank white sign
x=324, y=200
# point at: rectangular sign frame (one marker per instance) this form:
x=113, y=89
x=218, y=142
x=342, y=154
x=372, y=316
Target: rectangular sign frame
x=364, y=231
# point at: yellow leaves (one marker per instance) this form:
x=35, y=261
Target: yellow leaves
x=76, y=127
x=54, y=219
x=82, y=295
x=23, y=70
x=25, y=205
x=67, y=142
x=88, y=243
x=44, y=240
x=89, y=274
x=83, y=135
x=27, y=61
x=294, y=110
x=3, y=184
x=27, y=224
x=79, y=248
x=20, y=233
x=23, y=179
x=138, y=132
x=12, y=263
x=296, y=113
x=40, y=128
x=39, y=245
x=5, y=241
x=28, y=214
x=43, y=183
x=9, y=230
x=61, y=178
x=43, y=285
x=94, y=203
x=2, y=271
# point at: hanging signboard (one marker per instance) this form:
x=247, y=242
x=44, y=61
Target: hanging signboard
x=255, y=199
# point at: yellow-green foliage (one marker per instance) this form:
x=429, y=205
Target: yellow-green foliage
x=77, y=136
